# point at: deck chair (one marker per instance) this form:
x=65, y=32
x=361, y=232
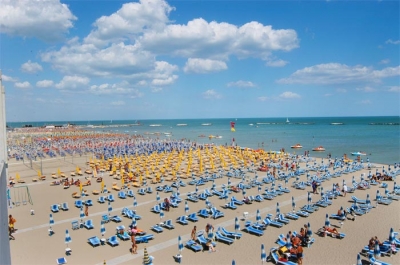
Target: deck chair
x=116, y=219
x=374, y=261
x=121, y=195
x=113, y=241
x=203, y=213
x=191, y=244
x=94, y=241
x=251, y=230
x=156, y=208
x=130, y=193
x=149, y=190
x=216, y=213
x=267, y=221
x=144, y=238
x=105, y=218
x=157, y=228
x=302, y=213
x=275, y=257
x=203, y=241
x=230, y=205
x=125, y=236
x=292, y=216
x=192, y=198
x=236, y=201
x=64, y=206
x=222, y=238
x=88, y=224
x=141, y=191
x=193, y=217
x=341, y=217
x=168, y=224
x=89, y=202
x=282, y=219
x=61, y=260
x=54, y=208
x=182, y=220
x=231, y=234
x=78, y=204
x=101, y=199
x=110, y=198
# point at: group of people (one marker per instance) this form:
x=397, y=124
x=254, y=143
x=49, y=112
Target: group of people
x=297, y=241
x=209, y=229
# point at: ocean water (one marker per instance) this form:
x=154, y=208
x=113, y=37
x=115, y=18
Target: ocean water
x=378, y=137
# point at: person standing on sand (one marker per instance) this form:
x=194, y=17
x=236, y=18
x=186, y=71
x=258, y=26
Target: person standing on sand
x=344, y=189
x=86, y=210
x=11, y=223
x=193, y=235
x=134, y=245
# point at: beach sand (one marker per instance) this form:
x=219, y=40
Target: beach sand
x=33, y=245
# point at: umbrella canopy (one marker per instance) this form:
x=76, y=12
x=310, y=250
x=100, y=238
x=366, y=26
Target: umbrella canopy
x=186, y=207
x=377, y=250
x=51, y=220
x=237, y=225
x=134, y=202
x=67, y=237
x=180, y=245
x=391, y=236
x=258, y=216
x=309, y=232
x=109, y=208
x=327, y=222
x=278, y=211
x=161, y=214
x=359, y=259
x=368, y=201
x=263, y=254
x=309, y=198
x=81, y=214
x=102, y=229
x=233, y=262
x=158, y=197
x=293, y=204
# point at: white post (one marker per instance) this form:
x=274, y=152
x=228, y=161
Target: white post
x=5, y=255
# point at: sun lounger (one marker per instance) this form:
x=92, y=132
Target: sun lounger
x=191, y=244
x=105, y=218
x=110, y=198
x=101, y=199
x=130, y=193
x=282, y=219
x=168, y=224
x=144, y=238
x=94, y=241
x=61, y=261
x=231, y=234
x=75, y=225
x=89, y=202
x=222, y=238
x=302, y=213
x=88, y=224
x=121, y=195
x=374, y=261
x=157, y=228
x=292, y=216
x=275, y=257
x=216, y=213
x=254, y=231
x=230, y=205
x=116, y=219
x=192, y=198
x=149, y=190
x=182, y=220
x=64, y=206
x=203, y=241
x=193, y=217
x=338, y=217
x=54, y=208
x=113, y=241
x=156, y=209
x=78, y=203
x=236, y=201
x=203, y=213
x=124, y=236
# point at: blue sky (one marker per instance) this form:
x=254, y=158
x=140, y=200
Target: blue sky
x=153, y=59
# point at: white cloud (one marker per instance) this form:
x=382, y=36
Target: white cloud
x=30, y=67
x=341, y=90
x=203, y=66
x=395, y=42
x=366, y=89
x=241, y=83
x=7, y=78
x=118, y=103
x=45, y=83
x=112, y=89
x=328, y=95
x=277, y=63
x=263, y=98
x=211, y=94
x=47, y=20
x=72, y=82
x=365, y=102
x=131, y=20
x=394, y=89
x=289, y=95
x=335, y=73
x=384, y=61
x=25, y=84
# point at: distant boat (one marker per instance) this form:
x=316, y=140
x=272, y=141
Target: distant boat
x=296, y=146
x=337, y=123
x=319, y=149
x=181, y=124
x=155, y=125
x=206, y=124
x=358, y=153
x=251, y=124
x=287, y=120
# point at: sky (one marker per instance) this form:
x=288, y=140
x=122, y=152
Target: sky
x=154, y=59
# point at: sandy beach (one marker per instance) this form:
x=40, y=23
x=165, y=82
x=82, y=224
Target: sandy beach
x=32, y=236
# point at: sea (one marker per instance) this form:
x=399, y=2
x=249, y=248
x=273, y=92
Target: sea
x=377, y=137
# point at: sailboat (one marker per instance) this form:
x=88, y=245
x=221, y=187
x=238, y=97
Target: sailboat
x=287, y=120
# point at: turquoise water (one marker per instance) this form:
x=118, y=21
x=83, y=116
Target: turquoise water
x=376, y=136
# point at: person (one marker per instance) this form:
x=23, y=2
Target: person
x=209, y=228
x=11, y=222
x=377, y=241
x=314, y=186
x=344, y=189
x=331, y=230
x=210, y=246
x=134, y=245
x=296, y=241
x=10, y=231
x=166, y=204
x=193, y=235
x=246, y=200
x=341, y=212
x=371, y=243
x=86, y=210
x=282, y=256
x=299, y=254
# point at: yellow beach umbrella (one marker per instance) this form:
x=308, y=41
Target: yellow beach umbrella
x=122, y=181
x=58, y=172
x=39, y=173
x=102, y=185
x=17, y=177
x=80, y=187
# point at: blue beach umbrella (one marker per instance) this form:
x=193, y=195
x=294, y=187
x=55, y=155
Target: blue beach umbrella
x=359, y=259
x=102, y=229
x=197, y=189
x=309, y=232
x=51, y=220
x=309, y=198
x=368, y=201
x=186, y=207
x=233, y=262
x=134, y=202
x=134, y=222
x=377, y=250
x=286, y=181
x=394, y=187
x=109, y=208
x=161, y=214
x=278, y=211
x=229, y=181
x=293, y=204
x=259, y=189
x=81, y=214
x=378, y=196
x=263, y=254
x=244, y=192
x=237, y=225
x=158, y=197
x=391, y=236
x=67, y=238
x=273, y=184
x=180, y=245
x=258, y=216
x=327, y=222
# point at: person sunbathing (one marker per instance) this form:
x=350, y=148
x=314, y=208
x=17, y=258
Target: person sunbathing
x=371, y=243
x=210, y=246
x=331, y=230
x=56, y=182
x=296, y=241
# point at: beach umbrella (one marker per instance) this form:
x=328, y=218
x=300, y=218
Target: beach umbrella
x=278, y=211
x=233, y=262
x=197, y=189
x=391, y=236
x=229, y=181
x=146, y=257
x=67, y=238
x=134, y=202
x=259, y=189
x=134, y=223
x=102, y=229
x=368, y=201
x=81, y=214
x=286, y=181
x=237, y=225
x=180, y=245
x=327, y=222
x=51, y=220
x=394, y=187
x=186, y=207
x=109, y=208
x=244, y=192
x=258, y=216
x=309, y=198
x=378, y=196
x=161, y=214
x=309, y=232
x=359, y=259
x=263, y=254
x=158, y=197
x=293, y=204
x=377, y=250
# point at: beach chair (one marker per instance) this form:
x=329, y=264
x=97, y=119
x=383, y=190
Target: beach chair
x=251, y=230
x=193, y=217
x=282, y=219
x=215, y=214
x=191, y=244
x=78, y=204
x=302, y=213
x=144, y=238
x=268, y=221
x=341, y=217
x=258, y=198
x=182, y=220
x=124, y=236
x=292, y=216
x=116, y=219
x=203, y=213
x=230, y=234
x=75, y=225
x=54, y=208
x=94, y=241
x=149, y=190
x=275, y=257
x=61, y=260
x=141, y=191
x=168, y=224
x=130, y=193
x=222, y=238
x=110, y=198
x=89, y=202
x=203, y=241
x=374, y=261
x=88, y=224
x=157, y=228
x=192, y=198
x=236, y=201
x=230, y=205
x=121, y=195
x=113, y=241
x=64, y=206
x=105, y=218
x=156, y=208
x=101, y=199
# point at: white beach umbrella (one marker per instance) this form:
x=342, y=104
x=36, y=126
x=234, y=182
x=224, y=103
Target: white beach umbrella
x=67, y=238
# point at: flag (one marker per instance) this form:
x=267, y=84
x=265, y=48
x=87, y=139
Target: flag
x=232, y=126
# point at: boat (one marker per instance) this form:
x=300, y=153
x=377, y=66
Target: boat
x=251, y=124
x=337, y=123
x=155, y=125
x=358, y=153
x=181, y=124
x=206, y=124
x=319, y=148
x=296, y=146
x=287, y=120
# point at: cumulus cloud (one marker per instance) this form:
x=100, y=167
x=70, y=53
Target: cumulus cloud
x=31, y=68
x=335, y=73
x=7, y=78
x=384, y=61
x=211, y=94
x=241, y=83
x=45, y=83
x=366, y=89
x=395, y=42
x=72, y=82
x=289, y=95
x=276, y=63
x=47, y=20
x=341, y=90
x=118, y=103
x=263, y=98
x=112, y=89
x=25, y=84
x=203, y=66
x=394, y=89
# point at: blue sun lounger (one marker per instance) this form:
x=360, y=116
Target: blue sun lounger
x=54, y=208
x=168, y=224
x=193, y=245
x=94, y=241
x=157, y=228
x=101, y=199
x=230, y=234
x=64, y=206
x=113, y=241
x=88, y=224
x=193, y=217
x=373, y=260
x=275, y=257
x=203, y=213
x=61, y=260
x=222, y=238
x=121, y=195
x=78, y=204
x=182, y=220
x=251, y=230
